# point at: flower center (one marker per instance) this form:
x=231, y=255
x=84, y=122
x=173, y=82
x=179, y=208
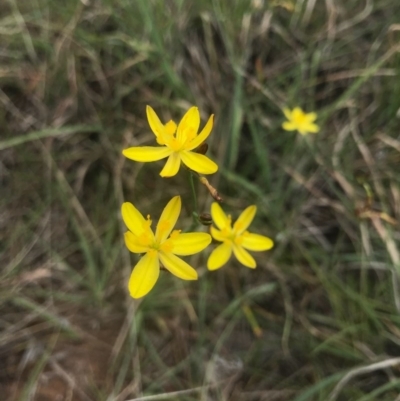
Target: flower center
x=228, y=232
x=145, y=240
x=167, y=135
x=300, y=119
x=238, y=240
x=175, y=145
x=152, y=252
x=168, y=245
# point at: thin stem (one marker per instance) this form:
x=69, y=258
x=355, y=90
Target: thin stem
x=195, y=212
x=245, y=307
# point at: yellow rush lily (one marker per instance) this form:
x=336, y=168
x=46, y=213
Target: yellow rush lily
x=235, y=238
x=178, y=144
x=300, y=121
x=161, y=247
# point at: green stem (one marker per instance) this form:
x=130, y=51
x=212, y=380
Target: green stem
x=195, y=212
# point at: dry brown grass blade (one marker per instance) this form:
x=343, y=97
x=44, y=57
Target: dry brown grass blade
x=394, y=255
x=322, y=199
x=386, y=139
x=73, y=199
x=388, y=363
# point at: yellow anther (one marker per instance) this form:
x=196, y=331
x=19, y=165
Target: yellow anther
x=147, y=223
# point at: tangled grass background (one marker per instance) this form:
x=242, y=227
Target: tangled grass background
x=319, y=317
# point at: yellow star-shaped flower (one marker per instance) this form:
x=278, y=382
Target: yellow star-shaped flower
x=300, y=121
x=161, y=247
x=178, y=144
x=235, y=239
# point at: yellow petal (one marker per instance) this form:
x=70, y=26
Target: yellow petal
x=199, y=139
x=177, y=266
x=190, y=243
x=310, y=117
x=144, y=275
x=313, y=128
x=216, y=234
x=297, y=113
x=147, y=153
x=219, y=217
x=256, y=242
x=199, y=163
x=155, y=124
x=171, y=166
x=244, y=257
x=168, y=219
x=289, y=126
x=170, y=128
x=133, y=219
x=287, y=113
x=245, y=219
x=219, y=256
x=133, y=244
x=190, y=122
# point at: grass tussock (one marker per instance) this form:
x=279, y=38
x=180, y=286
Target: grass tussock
x=319, y=317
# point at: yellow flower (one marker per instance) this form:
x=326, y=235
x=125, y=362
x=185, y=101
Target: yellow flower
x=161, y=247
x=235, y=238
x=300, y=121
x=178, y=144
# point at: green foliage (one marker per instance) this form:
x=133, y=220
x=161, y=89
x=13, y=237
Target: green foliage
x=75, y=78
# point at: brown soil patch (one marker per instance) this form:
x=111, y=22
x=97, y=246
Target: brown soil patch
x=76, y=370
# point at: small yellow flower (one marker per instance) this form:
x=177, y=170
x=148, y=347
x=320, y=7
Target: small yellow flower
x=300, y=121
x=235, y=238
x=178, y=144
x=161, y=247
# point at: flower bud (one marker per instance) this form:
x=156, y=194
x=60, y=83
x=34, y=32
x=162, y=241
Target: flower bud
x=202, y=149
x=205, y=219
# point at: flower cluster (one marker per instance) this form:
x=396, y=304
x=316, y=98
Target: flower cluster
x=162, y=249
